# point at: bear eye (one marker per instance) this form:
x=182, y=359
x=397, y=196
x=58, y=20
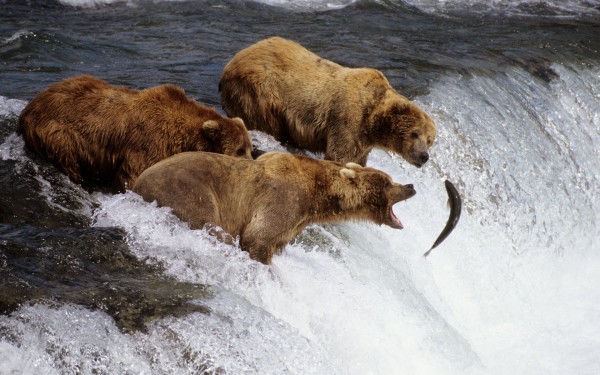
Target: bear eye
x=429, y=141
x=241, y=152
x=414, y=135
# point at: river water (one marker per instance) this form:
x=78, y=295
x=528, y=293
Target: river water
x=96, y=283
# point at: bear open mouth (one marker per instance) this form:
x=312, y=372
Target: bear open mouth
x=394, y=221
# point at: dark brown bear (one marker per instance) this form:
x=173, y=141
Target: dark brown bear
x=268, y=201
x=279, y=87
x=105, y=135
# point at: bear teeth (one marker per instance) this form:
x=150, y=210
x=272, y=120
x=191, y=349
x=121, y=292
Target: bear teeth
x=396, y=223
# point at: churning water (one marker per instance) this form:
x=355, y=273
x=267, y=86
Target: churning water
x=94, y=283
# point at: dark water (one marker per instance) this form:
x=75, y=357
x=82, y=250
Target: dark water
x=490, y=75
x=188, y=43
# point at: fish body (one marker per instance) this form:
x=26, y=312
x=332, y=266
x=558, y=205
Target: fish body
x=455, y=203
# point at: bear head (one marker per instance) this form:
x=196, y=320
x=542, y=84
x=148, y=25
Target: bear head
x=406, y=129
x=375, y=194
x=227, y=136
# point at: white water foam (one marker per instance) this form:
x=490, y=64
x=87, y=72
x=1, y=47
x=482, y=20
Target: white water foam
x=11, y=107
x=309, y=4
x=94, y=3
x=521, y=282
x=290, y=4
x=515, y=7
x=14, y=39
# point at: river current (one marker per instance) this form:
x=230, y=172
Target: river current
x=95, y=283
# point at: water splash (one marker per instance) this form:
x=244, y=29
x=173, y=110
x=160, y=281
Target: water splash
x=550, y=8
x=510, y=154
x=11, y=107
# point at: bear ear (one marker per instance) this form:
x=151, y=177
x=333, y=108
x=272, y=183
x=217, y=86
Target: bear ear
x=351, y=165
x=239, y=120
x=211, y=128
x=347, y=173
x=401, y=109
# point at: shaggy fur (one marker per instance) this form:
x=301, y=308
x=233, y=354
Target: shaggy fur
x=104, y=135
x=279, y=87
x=268, y=201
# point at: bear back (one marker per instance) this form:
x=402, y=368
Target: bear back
x=106, y=135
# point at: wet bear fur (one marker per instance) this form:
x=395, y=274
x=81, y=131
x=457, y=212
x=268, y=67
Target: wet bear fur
x=268, y=201
x=104, y=135
x=281, y=88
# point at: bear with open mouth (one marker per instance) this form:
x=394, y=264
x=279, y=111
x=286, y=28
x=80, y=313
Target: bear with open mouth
x=269, y=201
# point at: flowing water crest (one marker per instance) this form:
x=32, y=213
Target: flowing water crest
x=96, y=283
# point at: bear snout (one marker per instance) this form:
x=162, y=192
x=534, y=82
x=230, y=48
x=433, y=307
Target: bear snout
x=409, y=191
x=402, y=192
x=418, y=159
x=418, y=153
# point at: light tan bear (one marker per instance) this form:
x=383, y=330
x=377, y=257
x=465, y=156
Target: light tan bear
x=268, y=201
x=279, y=87
x=105, y=135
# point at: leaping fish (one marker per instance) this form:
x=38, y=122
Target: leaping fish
x=455, y=208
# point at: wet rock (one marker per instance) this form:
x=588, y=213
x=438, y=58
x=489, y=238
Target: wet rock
x=27, y=199
x=92, y=267
x=540, y=68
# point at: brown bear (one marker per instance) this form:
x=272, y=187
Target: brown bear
x=268, y=201
x=281, y=88
x=105, y=135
